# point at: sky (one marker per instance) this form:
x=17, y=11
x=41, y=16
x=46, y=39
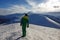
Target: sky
x=25, y=6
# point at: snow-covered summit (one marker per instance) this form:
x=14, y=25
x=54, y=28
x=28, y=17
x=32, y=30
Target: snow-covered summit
x=34, y=32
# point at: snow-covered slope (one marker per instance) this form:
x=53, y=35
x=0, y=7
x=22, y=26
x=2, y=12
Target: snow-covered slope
x=43, y=20
x=34, y=32
x=52, y=21
x=53, y=18
x=37, y=19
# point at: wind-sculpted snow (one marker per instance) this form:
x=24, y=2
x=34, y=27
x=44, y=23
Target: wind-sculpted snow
x=34, y=32
x=51, y=20
x=41, y=20
x=54, y=18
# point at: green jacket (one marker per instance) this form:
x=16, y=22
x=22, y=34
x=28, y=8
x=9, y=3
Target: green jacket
x=25, y=21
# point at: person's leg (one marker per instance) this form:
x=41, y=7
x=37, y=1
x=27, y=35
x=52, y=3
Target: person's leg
x=23, y=32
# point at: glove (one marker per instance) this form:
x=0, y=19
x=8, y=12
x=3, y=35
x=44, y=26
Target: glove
x=27, y=26
x=20, y=24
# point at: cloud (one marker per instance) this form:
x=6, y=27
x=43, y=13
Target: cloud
x=4, y=11
x=18, y=9
x=37, y=6
x=46, y=6
x=14, y=9
x=35, y=2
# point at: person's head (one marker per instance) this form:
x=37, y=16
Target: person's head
x=26, y=14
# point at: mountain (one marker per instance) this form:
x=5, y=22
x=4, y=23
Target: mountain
x=41, y=20
x=12, y=18
x=56, y=14
x=37, y=19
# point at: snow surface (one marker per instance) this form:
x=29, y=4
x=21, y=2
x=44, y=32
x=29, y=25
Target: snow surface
x=34, y=32
x=52, y=21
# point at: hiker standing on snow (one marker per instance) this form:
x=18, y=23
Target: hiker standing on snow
x=24, y=24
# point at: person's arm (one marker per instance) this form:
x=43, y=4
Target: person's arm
x=21, y=22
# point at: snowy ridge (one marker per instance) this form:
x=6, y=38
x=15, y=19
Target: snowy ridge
x=52, y=21
x=34, y=32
